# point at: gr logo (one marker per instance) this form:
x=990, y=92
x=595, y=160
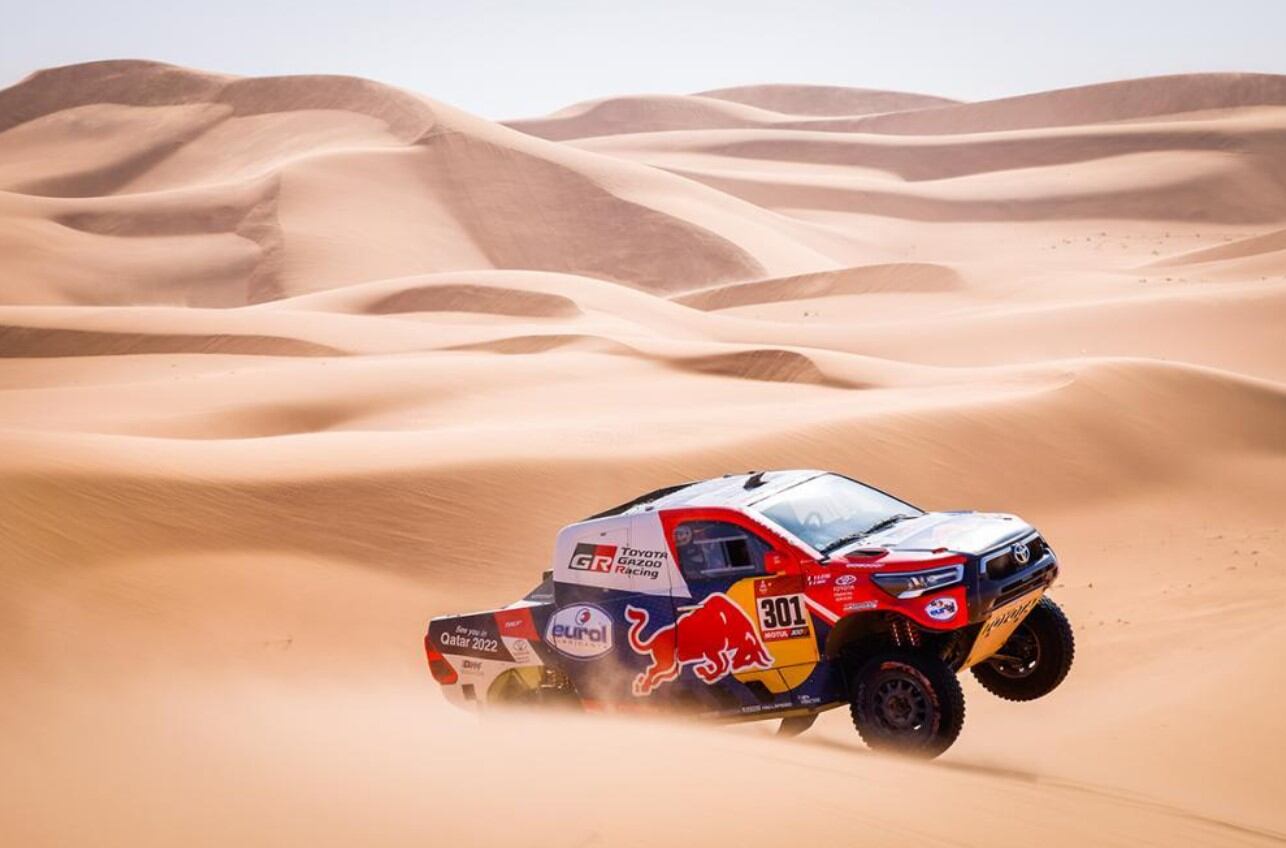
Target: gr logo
x=597, y=558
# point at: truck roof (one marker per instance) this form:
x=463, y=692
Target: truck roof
x=731, y=490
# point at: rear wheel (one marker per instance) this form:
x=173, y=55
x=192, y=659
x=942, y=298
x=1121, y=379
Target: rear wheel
x=532, y=686
x=1034, y=660
x=907, y=703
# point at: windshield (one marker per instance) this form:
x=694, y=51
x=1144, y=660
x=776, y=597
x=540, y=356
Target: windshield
x=828, y=510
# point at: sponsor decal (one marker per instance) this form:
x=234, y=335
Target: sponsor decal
x=715, y=637
x=638, y=562
x=580, y=631
x=611, y=559
x=517, y=624
x=859, y=606
x=819, y=579
x=1009, y=615
x=941, y=609
x=843, y=588
x=521, y=650
x=597, y=558
x=781, y=617
x=464, y=638
x=472, y=667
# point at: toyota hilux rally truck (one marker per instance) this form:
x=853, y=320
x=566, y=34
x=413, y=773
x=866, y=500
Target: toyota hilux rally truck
x=774, y=595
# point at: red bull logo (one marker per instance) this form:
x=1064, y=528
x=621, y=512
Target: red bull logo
x=716, y=637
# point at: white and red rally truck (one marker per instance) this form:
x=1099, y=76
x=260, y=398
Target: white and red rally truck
x=774, y=595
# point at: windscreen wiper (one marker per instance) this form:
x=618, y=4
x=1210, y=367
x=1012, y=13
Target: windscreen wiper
x=887, y=523
x=842, y=541
x=882, y=524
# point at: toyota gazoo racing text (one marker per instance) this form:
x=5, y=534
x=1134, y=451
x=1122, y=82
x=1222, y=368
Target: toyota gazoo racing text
x=774, y=595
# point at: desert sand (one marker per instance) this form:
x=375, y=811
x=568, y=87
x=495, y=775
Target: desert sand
x=289, y=365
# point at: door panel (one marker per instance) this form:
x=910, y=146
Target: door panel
x=786, y=627
x=745, y=639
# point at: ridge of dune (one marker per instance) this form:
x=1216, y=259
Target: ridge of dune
x=756, y=106
x=1218, y=189
x=1110, y=102
x=18, y=341
x=142, y=83
x=448, y=297
x=825, y=100
x=866, y=279
x=645, y=113
x=1124, y=100
x=1253, y=246
x=768, y=365
x=949, y=156
x=312, y=179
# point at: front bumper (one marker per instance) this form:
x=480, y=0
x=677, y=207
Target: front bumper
x=996, y=578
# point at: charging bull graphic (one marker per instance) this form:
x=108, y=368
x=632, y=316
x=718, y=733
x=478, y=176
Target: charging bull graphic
x=716, y=636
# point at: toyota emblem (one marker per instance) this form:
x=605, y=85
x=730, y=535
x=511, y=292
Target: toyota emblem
x=1022, y=553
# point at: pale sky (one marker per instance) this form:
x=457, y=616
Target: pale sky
x=513, y=59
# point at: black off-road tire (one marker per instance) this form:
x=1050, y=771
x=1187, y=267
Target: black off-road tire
x=1047, y=645
x=907, y=703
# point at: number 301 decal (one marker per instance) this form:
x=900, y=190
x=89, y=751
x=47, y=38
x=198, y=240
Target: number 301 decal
x=782, y=617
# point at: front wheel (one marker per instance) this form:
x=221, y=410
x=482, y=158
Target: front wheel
x=907, y=703
x=1034, y=660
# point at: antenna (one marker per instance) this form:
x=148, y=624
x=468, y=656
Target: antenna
x=756, y=480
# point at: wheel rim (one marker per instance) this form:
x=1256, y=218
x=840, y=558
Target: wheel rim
x=1019, y=656
x=900, y=705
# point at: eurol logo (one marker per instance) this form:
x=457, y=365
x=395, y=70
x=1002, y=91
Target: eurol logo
x=941, y=609
x=580, y=631
x=596, y=558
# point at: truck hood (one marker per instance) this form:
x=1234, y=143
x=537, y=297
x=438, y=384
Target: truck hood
x=961, y=532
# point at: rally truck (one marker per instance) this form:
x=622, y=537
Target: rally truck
x=773, y=595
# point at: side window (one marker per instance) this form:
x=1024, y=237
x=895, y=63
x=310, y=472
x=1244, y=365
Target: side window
x=709, y=549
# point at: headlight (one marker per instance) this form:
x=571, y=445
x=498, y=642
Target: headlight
x=913, y=584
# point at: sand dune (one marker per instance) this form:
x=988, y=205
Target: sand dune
x=758, y=106
x=1255, y=246
x=406, y=168
x=645, y=113
x=1127, y=100
x=467, y=298
x=898, y=277
x=825, y=100
x=818, y=109
x=288, y=365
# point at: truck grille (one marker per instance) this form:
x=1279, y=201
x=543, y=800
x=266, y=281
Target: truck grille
x=1003, y=564
x=1042, y=576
